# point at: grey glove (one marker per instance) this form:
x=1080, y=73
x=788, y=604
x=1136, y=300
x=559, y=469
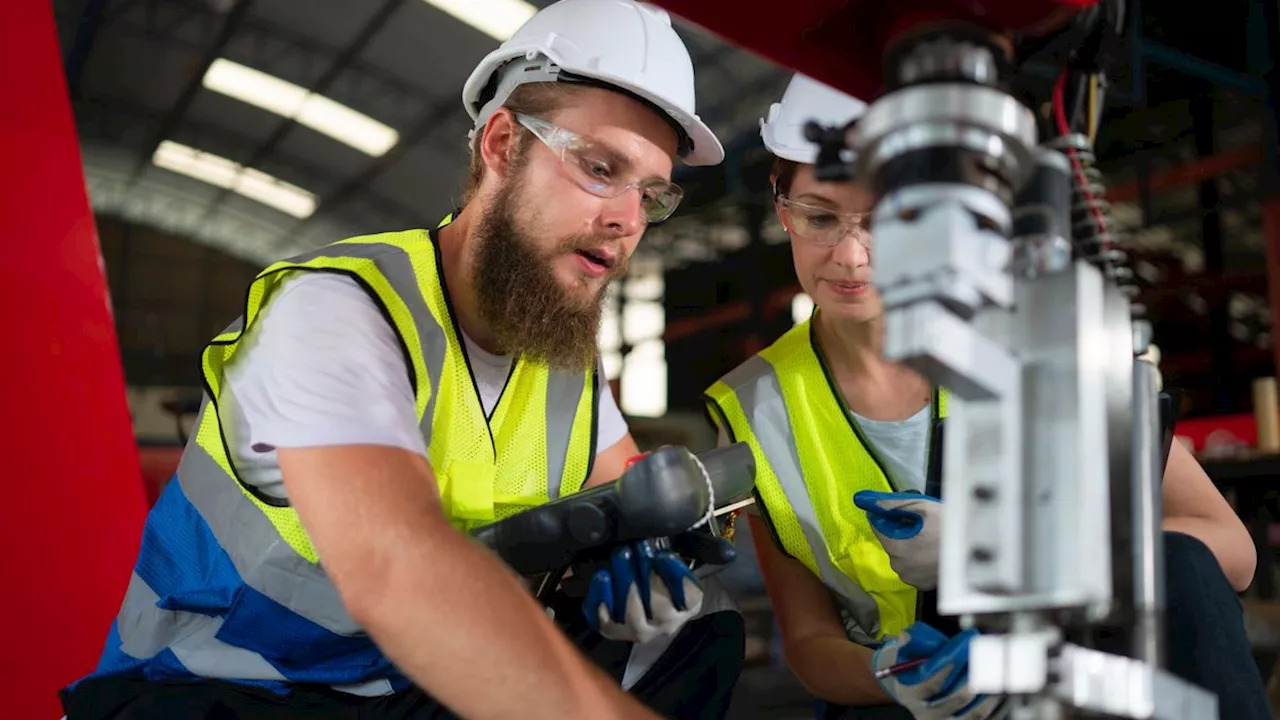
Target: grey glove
x=938, y=688
x=909, y=527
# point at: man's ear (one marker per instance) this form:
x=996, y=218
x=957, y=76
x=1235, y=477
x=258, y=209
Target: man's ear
x=498, y=141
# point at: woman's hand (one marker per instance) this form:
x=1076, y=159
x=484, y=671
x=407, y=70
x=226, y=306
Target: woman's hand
x=909, y=528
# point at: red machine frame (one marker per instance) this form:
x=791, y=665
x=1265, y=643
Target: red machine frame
x=842, y=42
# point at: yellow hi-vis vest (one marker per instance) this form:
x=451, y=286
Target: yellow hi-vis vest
x=811, y=458
x=228, y=584
x=538, y=443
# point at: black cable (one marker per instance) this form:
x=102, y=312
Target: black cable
x=1079, y=103
x=1100, y=50
x=1057, y=47
x=1101, y=100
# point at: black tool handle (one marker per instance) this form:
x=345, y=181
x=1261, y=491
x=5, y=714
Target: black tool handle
x=661, y=495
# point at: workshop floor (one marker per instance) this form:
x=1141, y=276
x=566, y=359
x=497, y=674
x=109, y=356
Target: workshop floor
x=766, y=693
x=766, y=690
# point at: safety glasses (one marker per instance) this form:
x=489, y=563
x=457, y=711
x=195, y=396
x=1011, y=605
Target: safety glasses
x=602, y=172
x=824, y=226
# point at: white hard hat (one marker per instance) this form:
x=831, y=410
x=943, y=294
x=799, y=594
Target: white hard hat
x=621, y=43
x=805, y=99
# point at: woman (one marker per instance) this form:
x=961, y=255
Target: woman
x=829, y=417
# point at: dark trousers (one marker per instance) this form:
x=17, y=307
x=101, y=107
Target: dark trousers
x=693, y=679
x=1204, y=637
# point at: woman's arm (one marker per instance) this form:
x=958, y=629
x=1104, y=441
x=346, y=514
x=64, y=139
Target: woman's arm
x=1193, y=506
x=822, y=657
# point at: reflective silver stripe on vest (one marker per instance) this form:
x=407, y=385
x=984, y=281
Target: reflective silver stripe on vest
x=146, y=629
x=756, y=384
x=564, y=390
x=264, y=561
x=236, y=326
x=395, y=265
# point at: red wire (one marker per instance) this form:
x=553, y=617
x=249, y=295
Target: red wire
x=1060, y=114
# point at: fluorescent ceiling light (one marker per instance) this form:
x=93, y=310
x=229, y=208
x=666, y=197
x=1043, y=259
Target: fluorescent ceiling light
x=499, y=19
x=223, y=173
x=296, y=102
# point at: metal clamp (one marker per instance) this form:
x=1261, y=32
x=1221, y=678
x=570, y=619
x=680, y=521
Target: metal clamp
x=1077, y=678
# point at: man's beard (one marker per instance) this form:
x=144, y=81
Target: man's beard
x=519, y=297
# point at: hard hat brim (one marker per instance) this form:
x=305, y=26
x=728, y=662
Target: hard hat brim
x=707, y=149
x=804, y=156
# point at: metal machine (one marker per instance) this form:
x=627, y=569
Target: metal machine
x=1002, y=281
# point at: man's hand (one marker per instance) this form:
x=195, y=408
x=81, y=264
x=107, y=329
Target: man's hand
x=908, y=526
x=642, y=594
x=939, y=687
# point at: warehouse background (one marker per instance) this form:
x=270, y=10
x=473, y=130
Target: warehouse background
x=219, y=135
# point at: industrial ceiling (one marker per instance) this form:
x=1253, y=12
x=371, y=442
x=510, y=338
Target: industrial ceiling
x=306, y=121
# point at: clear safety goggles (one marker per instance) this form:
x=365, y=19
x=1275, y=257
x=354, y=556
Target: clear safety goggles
x=601, y=171
x=824, y=226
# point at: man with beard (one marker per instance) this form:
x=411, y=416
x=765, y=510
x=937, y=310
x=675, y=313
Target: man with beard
x=383, y=395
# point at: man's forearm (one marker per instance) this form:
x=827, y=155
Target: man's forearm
x=836, y=670
x=450, y=615
x=465, y=630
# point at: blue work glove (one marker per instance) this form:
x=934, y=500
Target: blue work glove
x=641, y=594
x=939, y=687
x=909, y=527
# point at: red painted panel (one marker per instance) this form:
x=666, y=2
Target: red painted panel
x=1218, y=433
x=841, y=42
x=73, y=501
